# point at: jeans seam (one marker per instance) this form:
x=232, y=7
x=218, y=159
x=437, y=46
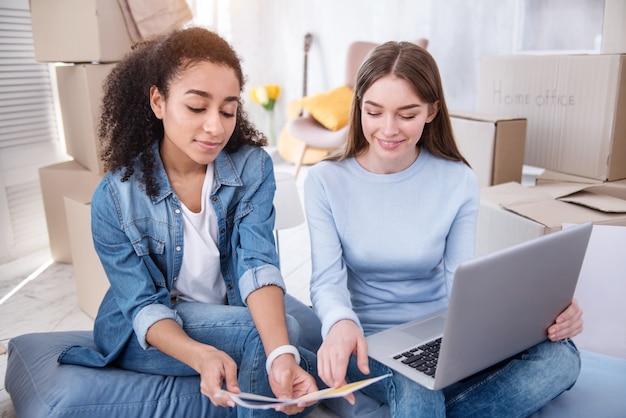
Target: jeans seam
x=392, y=397
x=251, y=377
x=462, y=395
x=304, y=361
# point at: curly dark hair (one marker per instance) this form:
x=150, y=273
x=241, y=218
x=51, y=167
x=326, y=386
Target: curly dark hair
x=128, y=127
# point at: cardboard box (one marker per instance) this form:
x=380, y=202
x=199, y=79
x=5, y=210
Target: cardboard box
x=498, y=228
x=511, y=213
x=58, y=180
x=575, y=106
x=79, y=31
x=80, y=98
x=91, y=280
x=614, y=27
x=493, y=145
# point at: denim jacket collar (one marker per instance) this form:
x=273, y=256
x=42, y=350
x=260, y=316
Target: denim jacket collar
x=225, y=173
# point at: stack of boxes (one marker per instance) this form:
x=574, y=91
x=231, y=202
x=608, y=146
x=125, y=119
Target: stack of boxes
x=85, y=38
x=575, y=106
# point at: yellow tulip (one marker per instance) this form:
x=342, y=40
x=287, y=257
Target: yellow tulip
x=259, y=95
x=265, y=95
x=273, y=91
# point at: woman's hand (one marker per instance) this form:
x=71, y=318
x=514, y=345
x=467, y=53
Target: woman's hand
x=568, y=324
x=289, y=381
x=343, y=339
x=216, y=366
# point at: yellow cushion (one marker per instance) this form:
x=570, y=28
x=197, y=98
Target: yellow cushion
x=331, y=109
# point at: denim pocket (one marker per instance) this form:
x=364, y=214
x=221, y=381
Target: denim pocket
x=148, y=236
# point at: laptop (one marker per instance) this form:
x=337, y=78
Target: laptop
x=500, y=305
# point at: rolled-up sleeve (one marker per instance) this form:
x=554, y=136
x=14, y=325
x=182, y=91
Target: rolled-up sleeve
x=256, y=257
x=148, y=316
x=257, y=277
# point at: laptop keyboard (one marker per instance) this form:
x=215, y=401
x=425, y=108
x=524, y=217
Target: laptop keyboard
x=422, y=358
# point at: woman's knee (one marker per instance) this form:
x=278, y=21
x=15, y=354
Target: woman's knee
x=309, y=325
x=562, y=359
x=293, y=328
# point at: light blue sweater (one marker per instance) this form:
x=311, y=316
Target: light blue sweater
x=384, y=246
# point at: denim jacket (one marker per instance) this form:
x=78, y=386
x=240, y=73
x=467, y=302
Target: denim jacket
x=139, y=240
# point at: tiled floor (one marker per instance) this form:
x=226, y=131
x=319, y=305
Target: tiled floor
x=47, y=301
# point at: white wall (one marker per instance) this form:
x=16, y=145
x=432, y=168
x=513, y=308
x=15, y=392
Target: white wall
x=269, y=35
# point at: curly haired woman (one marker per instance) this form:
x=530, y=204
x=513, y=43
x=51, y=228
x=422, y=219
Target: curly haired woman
x=183, y=224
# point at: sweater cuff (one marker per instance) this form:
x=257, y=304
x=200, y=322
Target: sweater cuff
x=336, y=315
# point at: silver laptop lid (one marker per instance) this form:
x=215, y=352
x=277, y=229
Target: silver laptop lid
x=501, y=304
x=504, y=302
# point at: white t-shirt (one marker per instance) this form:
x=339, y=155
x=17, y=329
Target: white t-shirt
x=200, y=277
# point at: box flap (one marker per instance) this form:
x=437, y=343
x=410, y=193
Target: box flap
x=604, y=203
x=561, y=189
x=549, y=175
x=483, y=117
x=554, y=213
x=554, y=203
x=511, y=193
x=607, y=197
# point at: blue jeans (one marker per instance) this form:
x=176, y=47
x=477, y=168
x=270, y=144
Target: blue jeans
x=230, y=329
x=516, y=387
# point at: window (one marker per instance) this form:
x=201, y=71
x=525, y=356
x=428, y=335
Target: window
x=28, y=134
x=559, y=26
